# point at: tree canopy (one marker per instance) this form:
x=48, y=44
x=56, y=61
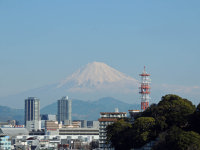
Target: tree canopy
x=143, y=128
x=178, y=139
x=174, y=121
x=116, y=134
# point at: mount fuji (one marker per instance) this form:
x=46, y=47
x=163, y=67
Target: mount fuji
x=93, y=81
x=96, y=76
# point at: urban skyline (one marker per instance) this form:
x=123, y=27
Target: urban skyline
x=94, y=52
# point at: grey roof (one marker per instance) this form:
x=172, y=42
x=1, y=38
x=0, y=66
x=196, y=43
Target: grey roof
x=14, y=131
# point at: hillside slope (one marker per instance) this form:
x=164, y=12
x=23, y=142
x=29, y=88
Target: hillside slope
x=90, y=110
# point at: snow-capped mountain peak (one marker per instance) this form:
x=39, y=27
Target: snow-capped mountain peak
x=94, y=74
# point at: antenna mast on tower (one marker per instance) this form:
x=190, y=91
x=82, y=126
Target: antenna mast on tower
x=145, y=90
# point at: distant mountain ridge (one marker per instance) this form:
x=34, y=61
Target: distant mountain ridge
x=84, y=110
x=7, y=113
x=90, y=110
x=93, y=81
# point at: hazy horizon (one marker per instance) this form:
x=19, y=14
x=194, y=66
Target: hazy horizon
x=43, y=42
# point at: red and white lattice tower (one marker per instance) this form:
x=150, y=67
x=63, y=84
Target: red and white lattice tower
x=145, y=90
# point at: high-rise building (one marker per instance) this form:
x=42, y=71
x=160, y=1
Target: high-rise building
x=64, y=113
x=32, y=114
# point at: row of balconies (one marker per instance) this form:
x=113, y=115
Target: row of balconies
x=102, y=129
x=113, y=116
x=78, y=133
x=105, y=123
x=102, y=138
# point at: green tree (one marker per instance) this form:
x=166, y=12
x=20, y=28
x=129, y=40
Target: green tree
x=176, y=110
x=117, y=133
x=178, y=139
x=167, y=120
x=171, y=110
x=143, y=131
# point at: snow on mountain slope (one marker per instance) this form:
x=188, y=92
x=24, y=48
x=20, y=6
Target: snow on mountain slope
x=94, y=75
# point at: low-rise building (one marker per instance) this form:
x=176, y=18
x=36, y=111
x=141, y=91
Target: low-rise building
x=51, y=127
x=75, y=133
x=12, y=132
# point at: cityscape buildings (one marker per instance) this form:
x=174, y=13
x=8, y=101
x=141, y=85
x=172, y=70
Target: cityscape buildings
x=64, y=110
x=32, y=114
x=60, y=131
x=54, y=137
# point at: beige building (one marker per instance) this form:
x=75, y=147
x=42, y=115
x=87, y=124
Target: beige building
x=52, y=127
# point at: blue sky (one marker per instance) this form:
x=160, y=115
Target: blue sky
x=42, y=42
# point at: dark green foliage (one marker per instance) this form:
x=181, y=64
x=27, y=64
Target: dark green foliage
x=171, y=110
x=122, y=135
x=117, y=135
x=177, y=139
x=194, y=119
x=176, y=110
x=144, y=124
x=174, y=122
x=143, y=131
x=94, y=144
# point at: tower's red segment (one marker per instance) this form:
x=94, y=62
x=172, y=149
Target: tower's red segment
x=144, y=90
x=144, y=74
x=144, y=105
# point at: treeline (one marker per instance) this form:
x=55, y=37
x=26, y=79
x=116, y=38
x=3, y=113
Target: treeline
x=173, y=123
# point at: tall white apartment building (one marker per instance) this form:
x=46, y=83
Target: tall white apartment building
x=106, y=119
